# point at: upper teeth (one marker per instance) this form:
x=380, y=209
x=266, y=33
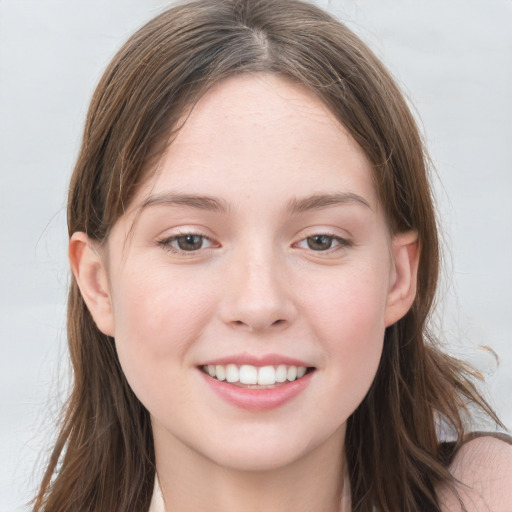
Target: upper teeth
x=248, y=374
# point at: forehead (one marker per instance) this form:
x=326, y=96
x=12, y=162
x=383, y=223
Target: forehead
x=260, y=130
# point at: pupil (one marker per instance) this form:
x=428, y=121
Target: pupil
x=190, y=242
x=320, y=242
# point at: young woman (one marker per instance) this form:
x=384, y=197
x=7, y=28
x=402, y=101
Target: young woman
x=255, y=256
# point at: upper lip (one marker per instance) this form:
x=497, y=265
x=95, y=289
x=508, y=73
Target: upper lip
x=257, y=360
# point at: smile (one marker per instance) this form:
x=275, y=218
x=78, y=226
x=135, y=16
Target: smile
x=254, y=376
x=257, y=387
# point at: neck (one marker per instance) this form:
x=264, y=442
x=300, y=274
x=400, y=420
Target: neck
x=191, y=482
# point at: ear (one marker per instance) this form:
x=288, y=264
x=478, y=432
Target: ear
x=91, y=275
x=402, y=290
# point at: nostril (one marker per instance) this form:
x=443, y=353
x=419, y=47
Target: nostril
x=257, y=326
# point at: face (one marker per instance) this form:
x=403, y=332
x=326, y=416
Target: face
x=249, y=284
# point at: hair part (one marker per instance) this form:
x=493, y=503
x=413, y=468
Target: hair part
x=104, y=458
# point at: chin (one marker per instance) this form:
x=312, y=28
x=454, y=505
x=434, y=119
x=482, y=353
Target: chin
x=256, y=460
x=262, y=452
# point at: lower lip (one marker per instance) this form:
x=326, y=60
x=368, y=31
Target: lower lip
x=258, y=399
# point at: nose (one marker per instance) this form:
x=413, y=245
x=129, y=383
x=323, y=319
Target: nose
x=257, y=295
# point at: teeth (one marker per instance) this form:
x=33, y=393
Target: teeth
x=232, y=373
x=292, y=373
x=266, y=376
x=281, y=373
x=220, y=372
x=248, y=374
x=253, y=375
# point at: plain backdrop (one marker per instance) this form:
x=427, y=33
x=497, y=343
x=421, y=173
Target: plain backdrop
x=453, y=59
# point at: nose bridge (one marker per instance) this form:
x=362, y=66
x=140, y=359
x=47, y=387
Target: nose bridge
x=255, y=295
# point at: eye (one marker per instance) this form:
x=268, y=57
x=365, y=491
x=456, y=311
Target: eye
x=322, y=242
x=319, y=242
x=187, y=242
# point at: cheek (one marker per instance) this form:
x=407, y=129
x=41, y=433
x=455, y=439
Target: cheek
x=350, y=304
x=156, y=306
x=158, y=316
x=348, y=316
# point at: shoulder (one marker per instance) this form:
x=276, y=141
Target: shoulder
x=482, y=469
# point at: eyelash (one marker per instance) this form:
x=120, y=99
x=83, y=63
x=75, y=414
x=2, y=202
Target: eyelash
x=341, y=242
x=167, y=242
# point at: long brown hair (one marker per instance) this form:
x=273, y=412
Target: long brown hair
x=103, y=459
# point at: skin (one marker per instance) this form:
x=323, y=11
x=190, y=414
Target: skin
x=255, y=285
x=483, y=474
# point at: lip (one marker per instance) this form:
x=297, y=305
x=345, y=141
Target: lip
x=257, y=400
x=265, y=360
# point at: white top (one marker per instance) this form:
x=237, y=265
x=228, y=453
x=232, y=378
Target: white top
x=157, y=501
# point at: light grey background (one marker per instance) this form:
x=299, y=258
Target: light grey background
x=452, y=57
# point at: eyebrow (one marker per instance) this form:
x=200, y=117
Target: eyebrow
x=295, y=205
x=319, y=201
x=190, y=201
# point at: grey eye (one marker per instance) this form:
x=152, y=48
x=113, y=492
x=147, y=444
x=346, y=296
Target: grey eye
x=320, y=242
x=189, y=242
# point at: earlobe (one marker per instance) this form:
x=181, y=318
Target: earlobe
x=91, y=276
x=402, y=291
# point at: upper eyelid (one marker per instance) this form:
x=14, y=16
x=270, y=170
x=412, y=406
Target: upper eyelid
x=332, y=227
x=183, y=234
x=342, y=239
x=166, y=243
x=184, y=231
x=176, y=232
x=310, y=232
